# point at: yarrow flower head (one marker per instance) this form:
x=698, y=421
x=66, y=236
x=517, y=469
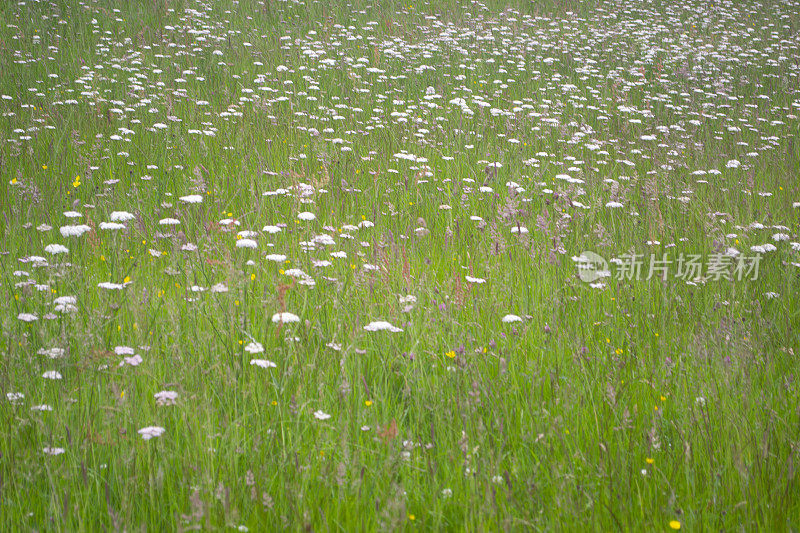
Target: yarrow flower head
x=285, y=318
x=151, y=432
x=254, y=347
x=74, y=231
x=166, y=397
x=246, y=243
x=66, y=304
x=112, y=226
x=52, y=451
x=134, y=360
x=382, y=325
x=263, y=363
x=54, y=249
x=15, y=398
x=121, y=216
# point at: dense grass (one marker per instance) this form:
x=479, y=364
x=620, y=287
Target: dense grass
x=628, y=404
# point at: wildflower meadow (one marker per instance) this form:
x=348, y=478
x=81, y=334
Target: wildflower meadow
x=455, y=265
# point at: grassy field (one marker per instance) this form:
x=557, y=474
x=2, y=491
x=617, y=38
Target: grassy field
x=317, y=266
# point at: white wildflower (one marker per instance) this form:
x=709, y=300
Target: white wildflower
x=254, y=347
x=285, y=318
x=191, y=199
x=53, y=451
x=263, y=363
x=382, y=325
x=166, y=397
x=246, y=243
x=74, y=231
x=150, y=432
x=54, y=249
